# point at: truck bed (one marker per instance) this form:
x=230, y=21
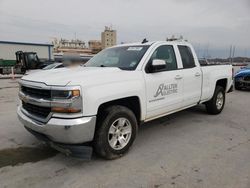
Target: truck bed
x=211, y=74
x=212, y=64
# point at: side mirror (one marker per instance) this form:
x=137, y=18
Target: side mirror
x=158, y=65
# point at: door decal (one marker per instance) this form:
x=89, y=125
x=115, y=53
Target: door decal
x=164, y=90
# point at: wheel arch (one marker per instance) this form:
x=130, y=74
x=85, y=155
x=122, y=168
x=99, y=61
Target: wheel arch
x=222, y=82
x=132, y=102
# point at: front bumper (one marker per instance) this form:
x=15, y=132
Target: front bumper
x=66, y=131
x=83, y=151
x=243, y=84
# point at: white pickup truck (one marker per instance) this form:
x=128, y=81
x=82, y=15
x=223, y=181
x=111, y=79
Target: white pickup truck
x=104, y=101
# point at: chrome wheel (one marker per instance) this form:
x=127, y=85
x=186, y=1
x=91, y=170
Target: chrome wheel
x=219, y=100
x=119, y=133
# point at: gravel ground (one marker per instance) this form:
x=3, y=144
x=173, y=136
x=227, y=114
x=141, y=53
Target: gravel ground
x=187, y=149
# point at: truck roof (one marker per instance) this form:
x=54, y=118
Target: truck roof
x=154, y=42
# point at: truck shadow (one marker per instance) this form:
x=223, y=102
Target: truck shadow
x=199, y=109
x=15, y=156
x=244, y=90
x=154, y=127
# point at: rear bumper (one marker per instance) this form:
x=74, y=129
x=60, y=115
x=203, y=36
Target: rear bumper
x=66, y=131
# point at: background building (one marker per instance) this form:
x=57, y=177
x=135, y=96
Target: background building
x=108, y=37
x=70, y=46
x=95, y=46
x=8, y=49
x=64, y=43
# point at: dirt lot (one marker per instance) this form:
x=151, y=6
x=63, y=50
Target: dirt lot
x=187, y=149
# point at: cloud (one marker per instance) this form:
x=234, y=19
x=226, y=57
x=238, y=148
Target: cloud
x=220, y=23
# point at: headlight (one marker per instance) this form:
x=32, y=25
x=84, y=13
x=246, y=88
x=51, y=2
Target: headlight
x=65, y=94
x=66, y=101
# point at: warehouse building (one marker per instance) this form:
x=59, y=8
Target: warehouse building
x=9, y=48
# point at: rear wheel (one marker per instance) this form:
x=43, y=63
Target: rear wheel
x=116, y=132
x=216, y=104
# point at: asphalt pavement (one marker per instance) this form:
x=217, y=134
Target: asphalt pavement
x=188, y=149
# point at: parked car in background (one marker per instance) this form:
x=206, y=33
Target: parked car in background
x=48, y=67
x=53, y=66
x=242, y=79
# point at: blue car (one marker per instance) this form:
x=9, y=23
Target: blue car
x=242, y=79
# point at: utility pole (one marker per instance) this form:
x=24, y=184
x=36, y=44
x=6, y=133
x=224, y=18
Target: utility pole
x=245, y=55
x=230, y=54
x=207, y=51
x=233, y=53
x=198, y=50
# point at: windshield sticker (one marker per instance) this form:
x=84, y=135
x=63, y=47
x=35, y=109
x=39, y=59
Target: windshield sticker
x=133, y=63
x=134, y=49
x=163, y=90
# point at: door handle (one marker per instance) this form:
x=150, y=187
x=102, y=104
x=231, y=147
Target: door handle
x=178, y=77
x=197, y=74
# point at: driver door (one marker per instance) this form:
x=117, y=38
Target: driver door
x=163, y=88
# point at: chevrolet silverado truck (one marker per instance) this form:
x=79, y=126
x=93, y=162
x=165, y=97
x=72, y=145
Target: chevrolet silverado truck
x=103, y=102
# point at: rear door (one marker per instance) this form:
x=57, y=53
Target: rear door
x=163, y=89
x=192, y=76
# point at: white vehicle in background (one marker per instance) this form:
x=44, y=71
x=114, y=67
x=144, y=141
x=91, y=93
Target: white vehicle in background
x=48, y=67
x=53, y=66
x=104, y=102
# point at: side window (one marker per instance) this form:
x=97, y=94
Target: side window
x=167, y=54
x=186, y=57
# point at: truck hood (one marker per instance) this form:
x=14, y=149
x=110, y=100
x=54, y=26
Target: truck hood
x=70, y=76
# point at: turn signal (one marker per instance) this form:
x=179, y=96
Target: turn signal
x=75, y=93
x=65, y=110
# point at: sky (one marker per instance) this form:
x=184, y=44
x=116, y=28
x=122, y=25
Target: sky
x=211, y=26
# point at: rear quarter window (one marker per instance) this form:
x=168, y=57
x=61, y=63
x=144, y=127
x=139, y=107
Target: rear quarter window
x=186, y=57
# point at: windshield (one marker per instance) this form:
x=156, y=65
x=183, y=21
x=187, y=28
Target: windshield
x=125, y=57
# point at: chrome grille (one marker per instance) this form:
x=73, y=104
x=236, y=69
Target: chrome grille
x=247, y=78
x=39, y=111
x=37, y=93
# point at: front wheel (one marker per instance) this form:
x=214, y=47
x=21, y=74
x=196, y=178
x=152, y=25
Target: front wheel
x=216, y=104
x=116, y=132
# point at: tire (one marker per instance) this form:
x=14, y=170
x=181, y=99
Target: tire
x=108, y=142
x=216, y=104
x=237, y=87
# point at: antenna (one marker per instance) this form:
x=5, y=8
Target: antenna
x=144, y=41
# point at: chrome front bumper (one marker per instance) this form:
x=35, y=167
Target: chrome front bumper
x=66, y=131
